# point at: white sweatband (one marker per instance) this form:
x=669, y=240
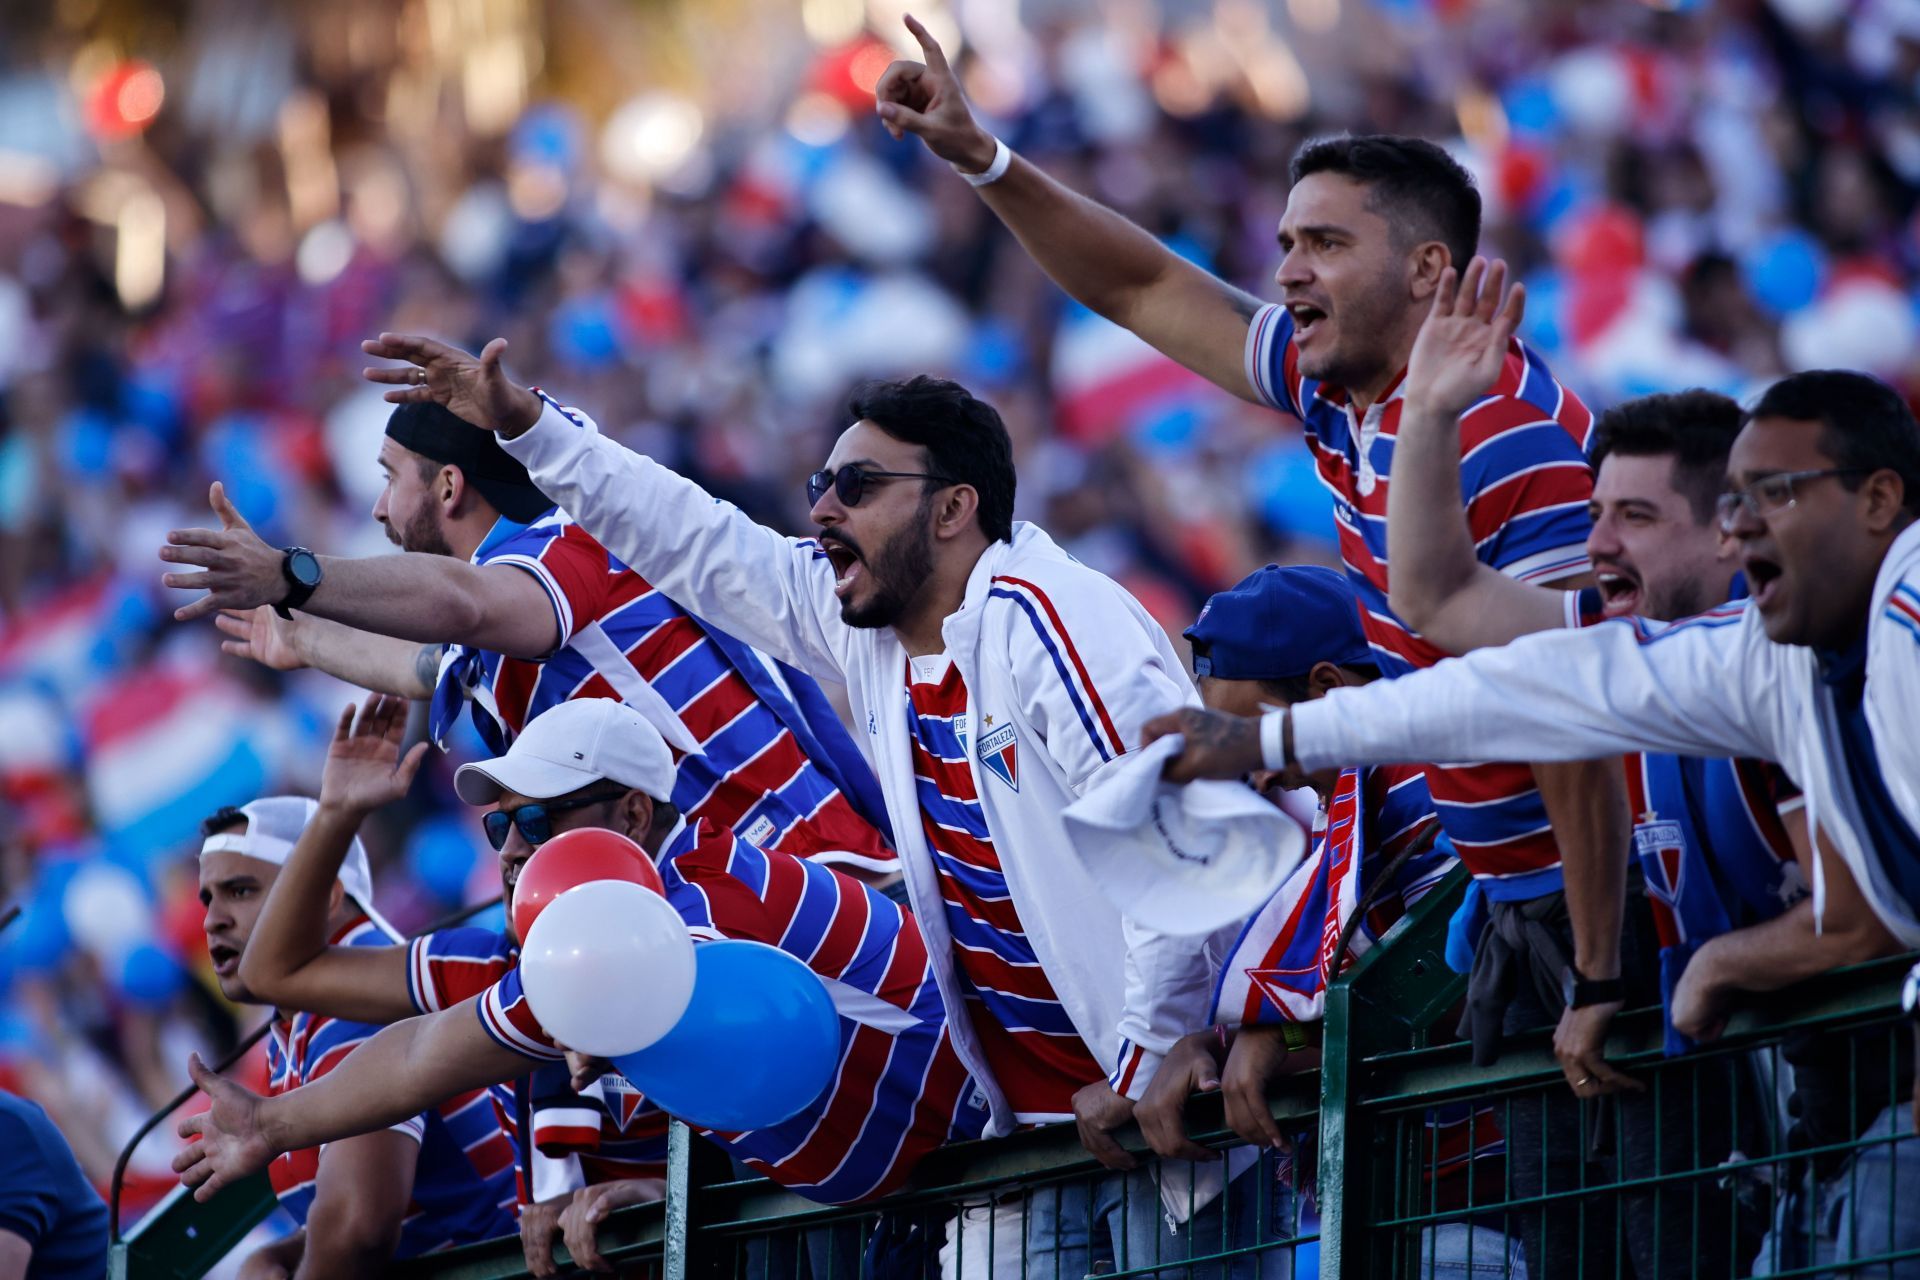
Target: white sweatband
x=1002, y=159
x=1273, y=753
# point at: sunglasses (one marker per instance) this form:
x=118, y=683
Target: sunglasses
x=535, y=820
x=849, y=483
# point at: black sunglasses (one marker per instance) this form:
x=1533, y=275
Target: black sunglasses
x=849, y=483
x=535, y=820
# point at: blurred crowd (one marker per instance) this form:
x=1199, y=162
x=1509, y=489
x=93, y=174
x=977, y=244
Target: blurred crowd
x=1697, y=195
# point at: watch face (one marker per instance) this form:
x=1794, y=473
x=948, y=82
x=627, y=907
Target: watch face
x=305, y=567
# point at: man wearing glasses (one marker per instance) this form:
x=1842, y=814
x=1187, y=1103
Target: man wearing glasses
x=900, y=1091
x=1819, y=670
x=994, y=678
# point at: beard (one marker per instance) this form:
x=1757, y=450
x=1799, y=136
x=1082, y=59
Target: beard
x=422, y=534
x=1676, y=600
x=896, y=576
x=1355, y=358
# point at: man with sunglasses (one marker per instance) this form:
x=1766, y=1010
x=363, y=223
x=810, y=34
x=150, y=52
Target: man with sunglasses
x=509, y=608
x=994, y=678
x=900, y=1091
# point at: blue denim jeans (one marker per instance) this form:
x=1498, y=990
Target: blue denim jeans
x=1869, y=1209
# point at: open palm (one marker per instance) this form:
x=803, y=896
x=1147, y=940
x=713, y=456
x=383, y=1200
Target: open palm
x=262, y=635
x=365, y=768
x=475, y=389
x=1462, y=346
x=229, y=1141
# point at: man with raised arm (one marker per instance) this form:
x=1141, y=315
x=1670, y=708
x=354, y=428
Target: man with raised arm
x=442, y=1176
x=1819, y=670
x=900, y=1089
x=995, y=679
x=1371, y=223
x=506, y=605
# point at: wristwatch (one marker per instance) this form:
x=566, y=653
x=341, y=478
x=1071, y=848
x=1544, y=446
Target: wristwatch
x=1910, y=993
x=1579, y=991
x=301, y=568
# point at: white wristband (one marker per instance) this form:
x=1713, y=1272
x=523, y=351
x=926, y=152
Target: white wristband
x=1273, y=752
x=1002, y=158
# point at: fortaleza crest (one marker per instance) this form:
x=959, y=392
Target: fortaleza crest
x=999, y=751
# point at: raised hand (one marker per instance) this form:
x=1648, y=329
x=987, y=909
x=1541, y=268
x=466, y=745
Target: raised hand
x=229, y=1141
x=924, y=99
x=1217, y=745
x=262, y=635
x=242, y=572
x=365, y=769
x=1462, y=345
x=474, y=389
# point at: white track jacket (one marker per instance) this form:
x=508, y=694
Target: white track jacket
x=1711, y=686
x=1052, y=651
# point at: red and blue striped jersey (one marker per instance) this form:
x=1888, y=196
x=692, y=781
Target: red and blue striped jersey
x=900, y=1091
x=463, y=1180
x=1280, y=965
x=777, y=765
x=1526, y=482
x=1029, y=1042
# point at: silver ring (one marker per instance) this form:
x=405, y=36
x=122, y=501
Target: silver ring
x=1582, y=1082
x=419, y=376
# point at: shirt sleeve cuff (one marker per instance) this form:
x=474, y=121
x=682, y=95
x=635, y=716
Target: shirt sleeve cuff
x=1273, y=753
x=1138, y=1066
x=547, y=438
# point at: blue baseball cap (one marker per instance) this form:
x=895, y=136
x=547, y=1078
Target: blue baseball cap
x=1276, y=623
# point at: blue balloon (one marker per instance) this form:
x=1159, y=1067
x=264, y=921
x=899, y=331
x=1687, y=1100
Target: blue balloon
x=149, y=977
x=758, y=1043
x=1784, y=272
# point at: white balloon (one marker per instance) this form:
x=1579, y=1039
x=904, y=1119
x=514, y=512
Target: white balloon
x=106, y=910
x=608, y=968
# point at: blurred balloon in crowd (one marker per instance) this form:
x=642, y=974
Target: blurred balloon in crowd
x=150, y=977
x=574, y=858
x=38, y=941
x=106, y=910
x=1784, y=272
x=759, y=1042
x=608, y=969
x=440, y=853
x=1591, y=89
x=585, y=332
x=1864, y=324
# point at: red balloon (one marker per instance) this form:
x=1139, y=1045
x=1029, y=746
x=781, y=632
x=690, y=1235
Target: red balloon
x=572, y=859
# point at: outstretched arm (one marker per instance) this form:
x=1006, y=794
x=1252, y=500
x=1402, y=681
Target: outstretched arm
x=397, y=1074
x=412, y=596
x=708, y=556
x=288, y=961
x=1104, y=261
x=1439, y=585
x=379, y=664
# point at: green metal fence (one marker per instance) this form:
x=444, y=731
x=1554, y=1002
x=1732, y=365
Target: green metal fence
x=1406, y=1160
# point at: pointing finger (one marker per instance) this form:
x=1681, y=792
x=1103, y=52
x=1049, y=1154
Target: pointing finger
x=936, y=57
x=223, y=507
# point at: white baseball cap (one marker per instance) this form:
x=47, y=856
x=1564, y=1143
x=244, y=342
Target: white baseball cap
x=574, y=745
x=1183, y=860
x=274, y=824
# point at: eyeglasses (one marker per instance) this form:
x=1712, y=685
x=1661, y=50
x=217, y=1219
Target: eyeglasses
x=1770, y=495
x=535, y=820
x=849, y=483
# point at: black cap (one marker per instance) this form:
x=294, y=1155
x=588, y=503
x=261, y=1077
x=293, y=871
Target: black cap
x=435, y=433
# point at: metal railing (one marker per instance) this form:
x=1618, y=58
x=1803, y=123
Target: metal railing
x=1390, y=1173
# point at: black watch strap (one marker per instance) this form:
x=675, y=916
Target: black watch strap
x=1581, y=991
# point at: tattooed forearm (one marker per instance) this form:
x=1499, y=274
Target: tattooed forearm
x=426, y=666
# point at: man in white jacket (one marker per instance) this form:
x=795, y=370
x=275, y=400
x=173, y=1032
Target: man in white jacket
x=1819, y=670
x=992, y=679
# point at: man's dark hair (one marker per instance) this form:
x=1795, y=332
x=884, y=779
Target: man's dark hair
x=1298, y=688
x=1422, y=192
x=221, y=820
x=964, y=439
x=1695, y=428
x=1865, y=426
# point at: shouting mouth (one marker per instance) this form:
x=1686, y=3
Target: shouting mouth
x=1763, y=580
x=1620, y=592
x=1307, y=319
x=847, y=567
x=225, y=957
